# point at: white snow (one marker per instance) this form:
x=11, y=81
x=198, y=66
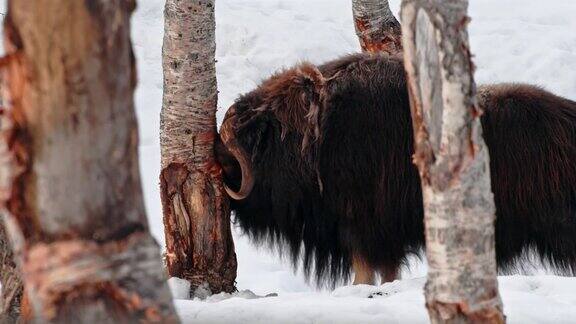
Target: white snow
x=513, y=40
x=542, y=299
x=179, y=288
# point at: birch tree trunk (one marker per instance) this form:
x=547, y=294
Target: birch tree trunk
x=453, y=161
x=376, y=26
x=70, y=188
x=196, y=214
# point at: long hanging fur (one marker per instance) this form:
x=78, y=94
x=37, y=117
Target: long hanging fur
x=332, y=148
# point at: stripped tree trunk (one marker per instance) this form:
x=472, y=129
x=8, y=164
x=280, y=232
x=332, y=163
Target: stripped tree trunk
x=70, y=186
x=376, y=26
x=453, y=161
x=196, y=214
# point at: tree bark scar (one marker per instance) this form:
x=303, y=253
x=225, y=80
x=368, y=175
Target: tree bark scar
x=376, y=26
x=387, y=42
x=424, y=157
x=173, y=177
x=79, y=272
x=16, y=137
x=176, y=215
x=361, y=24
x=450, y=313
x=16, y=204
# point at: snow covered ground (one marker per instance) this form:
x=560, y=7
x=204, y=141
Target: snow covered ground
x=527, y=300
x=513, y=40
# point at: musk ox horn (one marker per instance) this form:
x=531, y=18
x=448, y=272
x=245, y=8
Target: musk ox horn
x=231, y=143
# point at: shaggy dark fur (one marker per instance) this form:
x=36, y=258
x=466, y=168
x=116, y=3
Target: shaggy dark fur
x=332, y=146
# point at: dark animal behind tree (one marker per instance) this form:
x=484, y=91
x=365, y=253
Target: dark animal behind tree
x=319, y=160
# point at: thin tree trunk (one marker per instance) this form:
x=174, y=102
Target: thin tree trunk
x=196, y=213
x=70, y=186
x=453, y=161
x=376, y=26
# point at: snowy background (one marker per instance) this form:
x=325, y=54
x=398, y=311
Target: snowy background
x=513, y=40
x=530, y=41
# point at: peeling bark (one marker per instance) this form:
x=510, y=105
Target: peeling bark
x=453, y=161
x=376, y=26
x=196, y=214
x=70, y=190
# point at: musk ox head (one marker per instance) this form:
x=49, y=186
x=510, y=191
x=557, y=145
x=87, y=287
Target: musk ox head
x=268, y=150
x=282, y=114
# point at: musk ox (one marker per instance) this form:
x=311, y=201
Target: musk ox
x=318, y=161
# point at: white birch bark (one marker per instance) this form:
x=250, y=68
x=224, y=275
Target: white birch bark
x=196, y=213
x=70, y=189
x=453, y=161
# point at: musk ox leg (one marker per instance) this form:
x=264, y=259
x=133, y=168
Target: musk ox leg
x=363, y=272
x=389, y=274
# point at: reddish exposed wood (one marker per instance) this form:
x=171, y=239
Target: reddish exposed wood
x=196, y=214
x=377, y=28
x=70, y=190
x=64, y=273
x=195, y=250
